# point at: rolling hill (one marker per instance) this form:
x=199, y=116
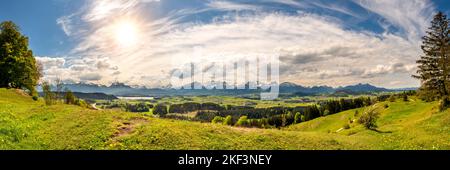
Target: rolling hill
x=286, y=88
x=28, y=124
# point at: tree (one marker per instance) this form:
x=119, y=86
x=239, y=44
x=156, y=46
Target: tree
x=218, y=119
x=243, y=121
x=160, y=110
x=297, y=118
x=369, y=119
x=59, y=88
x=69, y=97
x=18, y=68
x=49, y=96
x=433, y=66
x=228, y=120
x=405, y=97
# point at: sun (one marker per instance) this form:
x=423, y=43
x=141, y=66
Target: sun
x=126, y=33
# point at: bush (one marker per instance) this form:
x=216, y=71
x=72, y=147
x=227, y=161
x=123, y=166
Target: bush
x=139, y=108
x=81, y=103
x=243, y=122
x=205, y=116
x=49, y=96
x=69, y=98
x=228, y=121
x=297, y=118
x=346, y=126
x=160, y=110
x=218, y=119
x=369, y=119
x=35, y=98
x=392, y=98
x=303, y=118
x=356, y=113
x=444, y=103
x=326, y=112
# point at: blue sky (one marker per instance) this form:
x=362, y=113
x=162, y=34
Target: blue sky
x=319, y=42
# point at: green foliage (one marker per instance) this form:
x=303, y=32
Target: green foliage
x=444, y=103
x=303, y=118
x=81, y=103
x=18, y=67
x=69, y=97
x=139, y=107
x=326, y=112
x=346, y=126
x=243, y=122
x=218, y=119
x=49, y=96
x=434, y=66
x=297, y=118
x=369, y=119
x=405, y=97
x=160, y=109
x=228, y=121
x=392, y=98
x=28, y=125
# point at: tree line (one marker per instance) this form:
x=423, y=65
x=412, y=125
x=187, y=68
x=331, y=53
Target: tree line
x=249, y=116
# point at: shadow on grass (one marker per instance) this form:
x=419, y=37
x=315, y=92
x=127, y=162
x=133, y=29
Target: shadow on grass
x=379, y=131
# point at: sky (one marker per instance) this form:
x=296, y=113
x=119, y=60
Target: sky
x=142, y=42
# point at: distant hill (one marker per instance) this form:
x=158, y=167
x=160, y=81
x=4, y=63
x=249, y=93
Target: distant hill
x=291, y=88
x=90, y=96
x=286, y=88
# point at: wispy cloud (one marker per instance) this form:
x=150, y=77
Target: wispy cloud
x=314, y=48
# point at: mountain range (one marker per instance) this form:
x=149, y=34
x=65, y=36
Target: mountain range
x=286, y=89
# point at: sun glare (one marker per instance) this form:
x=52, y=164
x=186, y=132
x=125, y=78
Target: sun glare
x=126, y=33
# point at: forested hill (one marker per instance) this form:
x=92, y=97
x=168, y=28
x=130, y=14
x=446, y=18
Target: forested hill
x=120, y=89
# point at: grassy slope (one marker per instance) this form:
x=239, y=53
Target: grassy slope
x=27, y=124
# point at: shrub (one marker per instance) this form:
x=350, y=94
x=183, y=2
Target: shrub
x=303, y=118
x=356, y=113
x=49, y=96
x=218, y=119
x=243, y=122
x=228, y=121
x=160, y=110
x=392, y=98
x=326, y=112
x=35, y=98
x=205, y=116
x=297, y=118
x=69, y=98
x=81, y=103
x=139, y=108
x=369, y=119
x=444, y=103
x=346, y=126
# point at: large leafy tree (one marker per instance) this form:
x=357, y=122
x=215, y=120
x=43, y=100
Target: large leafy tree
x=434, y=68
x=18, y=68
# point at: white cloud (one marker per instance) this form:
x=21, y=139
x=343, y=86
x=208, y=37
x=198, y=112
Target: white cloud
x=314, y=49
x=411, y=16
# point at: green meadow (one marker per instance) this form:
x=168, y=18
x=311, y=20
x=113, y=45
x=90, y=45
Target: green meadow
x=26, y=124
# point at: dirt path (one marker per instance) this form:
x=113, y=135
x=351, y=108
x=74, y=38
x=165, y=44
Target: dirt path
x=128, y=127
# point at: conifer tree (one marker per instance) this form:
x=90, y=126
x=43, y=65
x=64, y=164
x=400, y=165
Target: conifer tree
x=433, y=69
